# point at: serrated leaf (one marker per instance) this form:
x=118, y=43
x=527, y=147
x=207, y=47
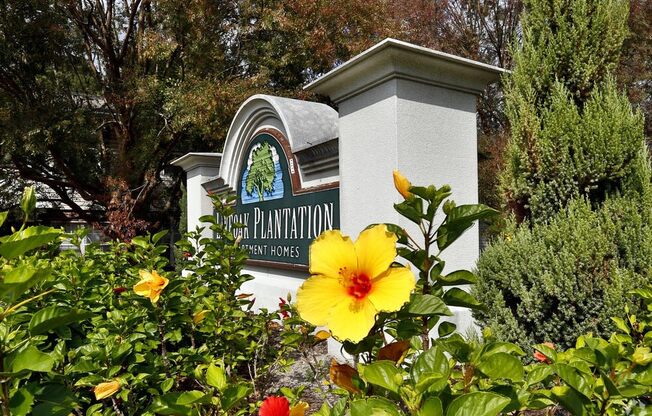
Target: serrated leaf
x=428, y=305
x=55, y=316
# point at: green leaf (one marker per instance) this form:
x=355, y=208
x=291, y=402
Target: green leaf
x=167, y=384
x=216, y=377
x=53, y=317
x=28, y=201
x=620, y=324
x=446, y=328
x=21, y=402
x=575, y=403
x=575, y=379
x=31, y=359
x=20, y=279
x=3, y=217
x=140, y=241
x=21, y=242
x=495, y=347
x=538, y=374
x=178, y=403
x=479, y=403
x=157, y=237
x=431, y=407
x=502, y=365
x=232, y=395
x=458, y=220
x=458, y=277
x=400, y=233
x=382, y=373
x=458, y=297
x=408, y=209
x=374, y=406
x=428, y=305
x=430, y=370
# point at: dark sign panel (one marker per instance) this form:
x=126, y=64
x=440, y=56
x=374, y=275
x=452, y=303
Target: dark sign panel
x=281, y=218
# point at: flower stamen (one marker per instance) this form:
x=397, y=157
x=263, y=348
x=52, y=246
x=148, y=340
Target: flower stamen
x=360, y=286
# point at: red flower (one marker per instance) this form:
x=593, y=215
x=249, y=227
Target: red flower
x=275, y=406
x=118, y=290
x=187, y=254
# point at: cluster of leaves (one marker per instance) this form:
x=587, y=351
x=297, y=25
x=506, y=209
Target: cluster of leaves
x=72, y=322
x=415, y=374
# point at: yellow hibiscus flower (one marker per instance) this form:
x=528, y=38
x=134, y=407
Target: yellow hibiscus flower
x=352, y=282
x=151, y=285
x=104, y=390
x=401, y=184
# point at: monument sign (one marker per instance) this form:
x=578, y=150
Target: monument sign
x=300, y=167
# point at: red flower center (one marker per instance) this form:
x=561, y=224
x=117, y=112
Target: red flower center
x=360, y=286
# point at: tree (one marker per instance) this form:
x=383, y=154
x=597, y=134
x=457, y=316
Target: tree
x=262, y=171
x=577, y=179
x=97, y=97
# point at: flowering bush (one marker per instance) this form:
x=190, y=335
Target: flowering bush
x=113, y=332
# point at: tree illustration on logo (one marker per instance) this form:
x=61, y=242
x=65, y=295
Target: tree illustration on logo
x=262, y=171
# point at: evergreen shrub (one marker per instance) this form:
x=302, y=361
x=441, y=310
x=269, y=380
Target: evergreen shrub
x=558, y=280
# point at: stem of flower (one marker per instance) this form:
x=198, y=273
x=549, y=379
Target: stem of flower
x=5, y=390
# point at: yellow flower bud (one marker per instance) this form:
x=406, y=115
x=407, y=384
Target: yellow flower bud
x=402, y=184
x=104, y=390
x=199, y=316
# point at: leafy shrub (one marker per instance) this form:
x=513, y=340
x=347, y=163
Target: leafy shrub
x=78, y=327
x=567, y=277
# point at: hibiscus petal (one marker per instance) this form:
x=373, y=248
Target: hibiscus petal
x=142, y=288
x=392, y=289
x=351, y=320
x=316, y=298
x=330, y=253
x=145, y=275
x=376, y=250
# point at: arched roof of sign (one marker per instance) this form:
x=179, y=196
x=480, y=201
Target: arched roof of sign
x=305, y=124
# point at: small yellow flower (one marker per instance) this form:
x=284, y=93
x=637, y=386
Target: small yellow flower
x=151, y=285
x=199, y=316
x=104, y=390
x=299, y=409
x=402, y=184
x=352, y=282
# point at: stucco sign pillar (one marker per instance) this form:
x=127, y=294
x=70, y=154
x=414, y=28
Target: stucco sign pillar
x=299, y=168
x=414, y=109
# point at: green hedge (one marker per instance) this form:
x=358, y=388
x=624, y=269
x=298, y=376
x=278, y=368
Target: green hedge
x=557, y=280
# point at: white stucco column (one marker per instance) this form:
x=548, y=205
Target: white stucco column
x=414, y=109
x=199, y=168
